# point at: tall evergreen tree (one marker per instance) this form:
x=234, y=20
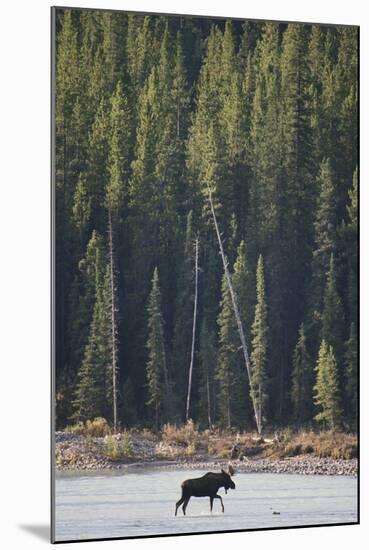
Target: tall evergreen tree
x=302, y=380
x=259, y=342
x=326, y=396
x=325, y=226
x=90, y=398
x=119, y=151
x=152, y=110
x=230, y=410
x=333, y=315
x=156, y=367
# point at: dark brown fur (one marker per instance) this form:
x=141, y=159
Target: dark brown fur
x=206, y=486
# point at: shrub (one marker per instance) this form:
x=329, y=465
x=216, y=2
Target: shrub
x=98, y=427
x=186, y=434
x=116, y=449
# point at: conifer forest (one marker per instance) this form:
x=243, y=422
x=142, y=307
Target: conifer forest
x=206, y=221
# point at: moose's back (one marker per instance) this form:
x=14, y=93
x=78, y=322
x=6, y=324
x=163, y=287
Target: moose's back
x=202, y=486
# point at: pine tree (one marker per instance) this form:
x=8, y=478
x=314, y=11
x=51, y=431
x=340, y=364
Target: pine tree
x=81, y=206
x=156, y=368
x=113, y=27
x=265, y=141
x=244, y=288
x=139, y=50
x=119, y=151
x=90, y=397
x=97, y=162
x=149, y=112
x=325, y=224
x=333, y=315
x=326, y=396
x=301, y=392
x=112, y=320
x=226, y=373
x=259, y=342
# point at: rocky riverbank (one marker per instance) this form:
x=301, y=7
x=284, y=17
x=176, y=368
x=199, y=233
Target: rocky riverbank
x=77, y=452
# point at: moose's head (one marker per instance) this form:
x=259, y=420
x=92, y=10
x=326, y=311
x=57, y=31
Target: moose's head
x=228, y=483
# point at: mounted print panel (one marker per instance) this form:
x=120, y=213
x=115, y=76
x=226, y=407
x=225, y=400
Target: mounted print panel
x=205, y=274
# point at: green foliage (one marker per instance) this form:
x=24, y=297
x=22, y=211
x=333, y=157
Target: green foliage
x=333, y=315
x=150, y=110
x=120, y=150
x=259, y=341
x=301, y=391
x=228, y=345
x=89, y=399
x=156, y=364
x=117, y=448
x=326, y=396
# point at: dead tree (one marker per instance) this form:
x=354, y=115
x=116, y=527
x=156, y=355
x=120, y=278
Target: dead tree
x=237, y=316
x=193, y=329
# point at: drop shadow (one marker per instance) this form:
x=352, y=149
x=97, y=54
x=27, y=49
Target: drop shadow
x=40, y=531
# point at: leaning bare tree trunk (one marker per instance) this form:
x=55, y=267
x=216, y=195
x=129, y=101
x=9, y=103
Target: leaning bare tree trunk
x=113, y=312
x=257, y=411
x=193, y=329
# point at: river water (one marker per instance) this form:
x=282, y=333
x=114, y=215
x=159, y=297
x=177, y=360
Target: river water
x=134, y=502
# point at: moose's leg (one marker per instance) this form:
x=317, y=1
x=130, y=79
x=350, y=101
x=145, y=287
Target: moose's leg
x=221, y=501
x=211, y=503
x=182, y=499
x=185, y=505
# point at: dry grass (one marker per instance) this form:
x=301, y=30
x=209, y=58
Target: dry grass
x=98, y=427
x=319, y=444
x=187, y=440
x=186, y=434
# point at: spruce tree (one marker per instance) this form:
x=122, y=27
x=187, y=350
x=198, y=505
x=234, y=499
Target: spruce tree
x=326, y=390
x=325, y=224
x=226, y=372
x=90, y=397
x=301, y=392
x=259, y=342
x=333, y=315
x=156, y=369
x=149, y=112
x=118, y=162
x=244, y=287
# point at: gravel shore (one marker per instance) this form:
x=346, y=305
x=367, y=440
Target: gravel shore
x=74, y=452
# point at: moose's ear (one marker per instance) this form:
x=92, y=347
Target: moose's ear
x=223, y=472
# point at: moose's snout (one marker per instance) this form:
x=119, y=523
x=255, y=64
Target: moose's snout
x=233, y=486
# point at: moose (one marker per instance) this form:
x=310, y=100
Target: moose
x=206, y=486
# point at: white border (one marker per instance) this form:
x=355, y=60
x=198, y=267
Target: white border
x=25, y=265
